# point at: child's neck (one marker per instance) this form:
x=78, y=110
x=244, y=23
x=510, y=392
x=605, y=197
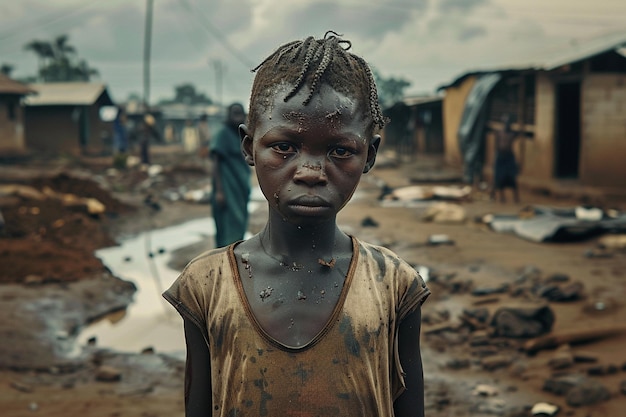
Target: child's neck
x=321, y=240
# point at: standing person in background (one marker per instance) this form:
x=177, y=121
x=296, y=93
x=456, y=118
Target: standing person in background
x=505, y=166
x=146, y=134
x=231, y=180
x=120, y=139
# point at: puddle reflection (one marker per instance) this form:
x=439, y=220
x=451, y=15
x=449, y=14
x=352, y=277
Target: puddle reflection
x=149, y=321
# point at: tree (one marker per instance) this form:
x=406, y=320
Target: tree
x=6, y=69
x=58, y=61
x=186, y=93
x=390, y=90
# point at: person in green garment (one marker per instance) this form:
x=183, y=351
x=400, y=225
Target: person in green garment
x=231, y=180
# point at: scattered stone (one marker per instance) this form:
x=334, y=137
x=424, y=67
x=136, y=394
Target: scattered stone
x=584, y=357
x=601, y=370
x=544, y=409
x=33, y=280
x=587, y=393
x=21, y=386
x=484, y=351
x=480, y=314
x=479, y=338
x=622, y=387
x=561, y=385
x=491, y=363
x=92, y=341
x=558, y=278
x=561, y=293
x=108, y=374
x=148, y=350
x=561, y=360
x=457, y=364
x=33, y=406
x=484, y=390
x=439, y=239
x=490, y=290
x=369, y=222
x=523, y=321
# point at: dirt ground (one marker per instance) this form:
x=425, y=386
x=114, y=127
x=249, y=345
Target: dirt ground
x=46, y=253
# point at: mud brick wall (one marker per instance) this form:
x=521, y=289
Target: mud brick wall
x=603, y=130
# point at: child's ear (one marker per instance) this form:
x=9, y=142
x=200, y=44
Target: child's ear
x=372, y=150
x=246, y=144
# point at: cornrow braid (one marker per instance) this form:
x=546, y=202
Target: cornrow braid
x=311, y=62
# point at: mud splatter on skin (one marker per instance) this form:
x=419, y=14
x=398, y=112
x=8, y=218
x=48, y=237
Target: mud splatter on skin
x=301, y=295
x=266, y=293
x=245, y=260
x=330, y=264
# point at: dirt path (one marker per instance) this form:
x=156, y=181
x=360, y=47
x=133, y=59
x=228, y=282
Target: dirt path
x=454, y=362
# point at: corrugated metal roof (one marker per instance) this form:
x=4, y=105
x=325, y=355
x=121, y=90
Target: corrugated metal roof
x=10, y=86
x=73, y=93
x=549, y=60
x=584, y=50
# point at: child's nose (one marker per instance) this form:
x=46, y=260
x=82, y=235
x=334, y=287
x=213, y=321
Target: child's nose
x=311, y=172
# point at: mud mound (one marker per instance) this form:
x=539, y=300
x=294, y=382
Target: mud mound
x=49, y=238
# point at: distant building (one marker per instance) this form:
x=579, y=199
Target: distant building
x=12, y=115
x=570, y=113
x=65, y=118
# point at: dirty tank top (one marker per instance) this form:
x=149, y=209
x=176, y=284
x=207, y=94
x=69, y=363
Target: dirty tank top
x=351, y=368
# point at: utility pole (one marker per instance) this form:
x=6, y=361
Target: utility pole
x=147, y=41
x=219, y=71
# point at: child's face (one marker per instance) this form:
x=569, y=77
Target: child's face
x=309, y=159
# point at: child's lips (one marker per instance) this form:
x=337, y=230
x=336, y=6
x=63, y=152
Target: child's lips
x=309, y=205
x=309, y=201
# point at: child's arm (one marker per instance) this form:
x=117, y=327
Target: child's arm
x=198, y=398
x=411, y=401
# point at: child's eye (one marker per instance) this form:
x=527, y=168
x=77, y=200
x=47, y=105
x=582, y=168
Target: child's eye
x=284, y=147
x=341, y=152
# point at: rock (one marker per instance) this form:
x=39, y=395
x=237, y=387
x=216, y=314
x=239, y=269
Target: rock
x=601, y=370
x=587, y=393
x=479, y=338
x=485, y=390
x=523, y=321
x=19, y=386
x=622, y=387
x=33, y=280
x=561, y=385
x=544, y=409
x=561, y=360
x=108, y=374
x=458, y=364
x=369, y=222
x=585, y=357
x=490, y=290
x=439, y=239
x=494, y=362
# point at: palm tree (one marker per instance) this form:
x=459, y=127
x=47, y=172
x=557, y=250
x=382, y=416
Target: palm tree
x=58, y=62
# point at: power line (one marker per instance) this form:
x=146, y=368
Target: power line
x=208, y=26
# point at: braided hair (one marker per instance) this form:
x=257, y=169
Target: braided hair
x=312, y=62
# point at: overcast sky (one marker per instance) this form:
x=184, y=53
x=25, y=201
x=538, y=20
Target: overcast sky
x=426, y=42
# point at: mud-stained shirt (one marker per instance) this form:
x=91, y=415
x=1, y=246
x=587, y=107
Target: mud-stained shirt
x=350, y=368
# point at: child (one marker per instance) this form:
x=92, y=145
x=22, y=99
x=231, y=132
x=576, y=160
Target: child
x=302, y=319
x=230, y=180
x=505, y=166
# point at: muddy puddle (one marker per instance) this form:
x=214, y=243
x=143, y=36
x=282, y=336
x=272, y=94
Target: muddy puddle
x=148, y=321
